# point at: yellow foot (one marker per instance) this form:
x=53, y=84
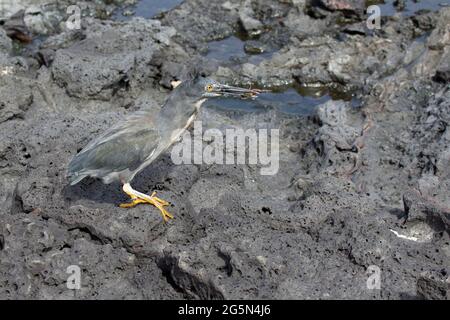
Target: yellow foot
x=157, y=202
x=134, y=202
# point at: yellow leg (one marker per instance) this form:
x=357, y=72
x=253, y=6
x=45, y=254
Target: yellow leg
x=133, y=203
x=138, y=198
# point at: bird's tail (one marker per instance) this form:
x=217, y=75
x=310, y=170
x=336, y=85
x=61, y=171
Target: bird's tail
x=75, y=169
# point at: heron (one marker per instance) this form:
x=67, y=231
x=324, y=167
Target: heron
x=135, y=142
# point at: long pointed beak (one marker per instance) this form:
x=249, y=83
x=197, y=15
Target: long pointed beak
x=237, y=92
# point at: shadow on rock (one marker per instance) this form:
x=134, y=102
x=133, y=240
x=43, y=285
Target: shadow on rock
x=93, y=189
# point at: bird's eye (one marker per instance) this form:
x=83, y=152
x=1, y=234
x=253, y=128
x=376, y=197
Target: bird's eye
x=209, y=88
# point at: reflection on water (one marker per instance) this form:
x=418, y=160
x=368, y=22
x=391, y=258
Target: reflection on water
x=226, y=49
x=145, y=9
x=387, y=7
x=333, y=92
x=301, y=101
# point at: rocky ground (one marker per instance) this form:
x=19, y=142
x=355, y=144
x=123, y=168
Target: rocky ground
x=357, y=187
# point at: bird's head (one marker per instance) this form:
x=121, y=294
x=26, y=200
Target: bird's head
x=212, y=89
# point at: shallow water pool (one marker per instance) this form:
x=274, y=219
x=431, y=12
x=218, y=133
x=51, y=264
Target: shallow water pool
x=145, y=9
x=299, y=101
x=411, y=6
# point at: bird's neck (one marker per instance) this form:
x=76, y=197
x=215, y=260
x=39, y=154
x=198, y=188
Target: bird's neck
x=199, y=103
x=176, y=116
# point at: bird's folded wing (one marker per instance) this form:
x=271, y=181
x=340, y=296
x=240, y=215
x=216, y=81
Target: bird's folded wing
x=125, y=146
